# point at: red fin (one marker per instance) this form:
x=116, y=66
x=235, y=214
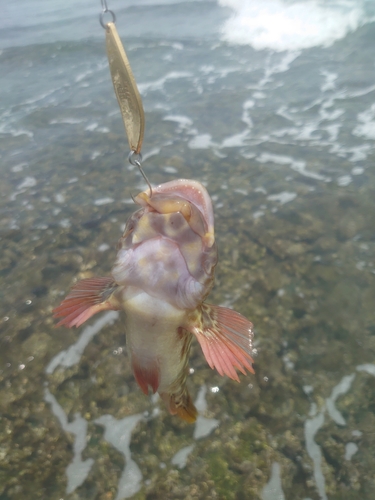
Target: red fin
x=86, y=298
x=184, y=408
x=225, y=337
x=187, y=412
x=146, y=372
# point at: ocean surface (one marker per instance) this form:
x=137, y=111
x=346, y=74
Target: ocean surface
x=271, y=104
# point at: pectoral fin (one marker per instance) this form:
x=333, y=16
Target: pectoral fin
x=225, y=337
x=86, y=298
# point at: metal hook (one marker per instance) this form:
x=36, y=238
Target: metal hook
x=105, y=10
x=136, y=159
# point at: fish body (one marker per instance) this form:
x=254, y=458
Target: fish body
x=163, y=272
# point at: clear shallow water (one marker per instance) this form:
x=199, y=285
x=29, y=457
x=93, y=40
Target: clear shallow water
x=280, y=125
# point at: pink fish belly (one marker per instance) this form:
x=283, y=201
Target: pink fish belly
x=152, y=338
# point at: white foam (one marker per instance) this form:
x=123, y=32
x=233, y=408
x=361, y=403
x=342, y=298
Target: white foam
x=311, y=428
x=92, y=126
x=170, y=170
x=72, y=355
x=183, y=121
x=236, y=140
x=180, y=458
x=203, y=426
x=78, y=469
x=65, y=223
x=279, y=66
x=350, y=450
x=330, y=79
x=103, y=247
x=357, y=171
x=282, y=25
x=359, y=153
x=82, y=105
x=296, y=165
x=273, y=489
x=118, y=434
x=341, y=388
x=283, y=197
x=59, y=198
x=259, y=95
x=344, y=180
x=367, y=126
x=360, y=265
x=94, y=155
x=68, y=121
x=366, y=130
x=308, y=389
x=331, y=115
x=368, y=367
x=103, y=201
x=334, y=129
x=288, y=363
x=258, y=213
x=83, y=75
x=361, y=92
x=26, y=183
x=300, y=167
x=150, y=153
x=244, y=192
x=159, y=84
x=313, y=425
x=19, y=167
x=201, y=141
x=207, y=68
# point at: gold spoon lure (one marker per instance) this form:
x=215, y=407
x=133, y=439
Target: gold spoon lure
x=126, y=90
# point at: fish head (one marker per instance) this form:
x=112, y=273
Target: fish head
x=188, y=197
x=168, y=248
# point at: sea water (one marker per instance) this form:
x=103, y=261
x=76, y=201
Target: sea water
x=272, y=106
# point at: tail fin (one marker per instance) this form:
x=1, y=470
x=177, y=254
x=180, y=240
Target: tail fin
x=86, y=298
x=181, y=405
x=187, y=410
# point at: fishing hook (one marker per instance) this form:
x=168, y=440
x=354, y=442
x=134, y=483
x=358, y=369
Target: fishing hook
x=136, y=159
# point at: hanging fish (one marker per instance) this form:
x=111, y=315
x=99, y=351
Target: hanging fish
x=163, y=272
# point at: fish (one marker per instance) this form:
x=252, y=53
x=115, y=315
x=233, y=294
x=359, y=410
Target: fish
x=163, y=272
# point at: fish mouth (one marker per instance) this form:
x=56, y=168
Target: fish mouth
x=193, y=192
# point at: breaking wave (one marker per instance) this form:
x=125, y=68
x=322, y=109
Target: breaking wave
x=282, y=25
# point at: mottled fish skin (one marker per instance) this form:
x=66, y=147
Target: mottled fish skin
x=163, y=272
